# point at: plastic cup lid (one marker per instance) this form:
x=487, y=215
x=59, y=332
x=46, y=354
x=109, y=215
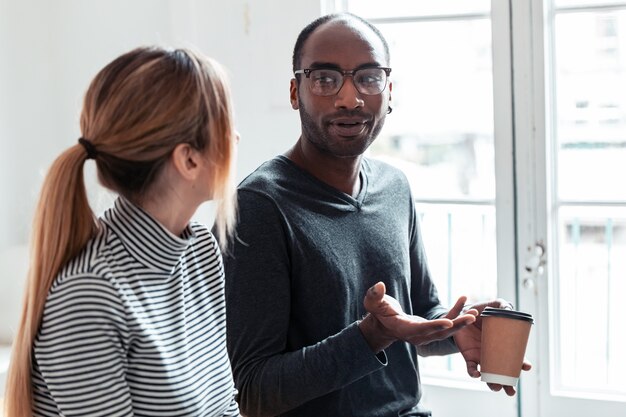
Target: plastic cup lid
x=506, y=313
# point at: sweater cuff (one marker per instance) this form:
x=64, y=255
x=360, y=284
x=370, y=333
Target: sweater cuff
x=362, y=347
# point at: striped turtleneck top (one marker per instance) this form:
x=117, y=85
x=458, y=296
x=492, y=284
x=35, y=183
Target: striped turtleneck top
x=135, y=325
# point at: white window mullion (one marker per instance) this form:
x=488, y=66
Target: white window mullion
x=530, y=173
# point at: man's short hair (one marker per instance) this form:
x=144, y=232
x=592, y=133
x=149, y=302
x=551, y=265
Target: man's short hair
x=310, y=28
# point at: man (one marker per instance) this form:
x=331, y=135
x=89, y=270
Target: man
x=318, y=227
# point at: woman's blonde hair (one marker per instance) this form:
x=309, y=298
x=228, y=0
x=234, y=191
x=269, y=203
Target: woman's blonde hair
x=136, y=110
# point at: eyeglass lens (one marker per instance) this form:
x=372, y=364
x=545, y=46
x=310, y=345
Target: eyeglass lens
x=327, y=82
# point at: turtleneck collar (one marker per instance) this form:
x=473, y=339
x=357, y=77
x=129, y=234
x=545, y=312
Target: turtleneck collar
x=147, y=240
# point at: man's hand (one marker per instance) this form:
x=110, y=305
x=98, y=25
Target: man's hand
x=468, y=340
x=387, y=322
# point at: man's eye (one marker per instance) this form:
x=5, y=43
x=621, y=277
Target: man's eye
x=369, y=79
x=324, y=80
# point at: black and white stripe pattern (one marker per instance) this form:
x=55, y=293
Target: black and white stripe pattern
x=135, y=325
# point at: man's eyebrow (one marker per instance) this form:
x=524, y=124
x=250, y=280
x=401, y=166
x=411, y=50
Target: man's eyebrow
x=330, y=65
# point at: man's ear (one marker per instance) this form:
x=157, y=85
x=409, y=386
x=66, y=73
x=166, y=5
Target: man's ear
x=293, y=94
x=390, y=88
x=186, y=160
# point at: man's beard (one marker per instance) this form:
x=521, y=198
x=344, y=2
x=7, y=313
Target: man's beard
x=322, y=140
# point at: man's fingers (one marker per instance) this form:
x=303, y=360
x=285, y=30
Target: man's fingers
x=374, y=297
x=509, y=390
x=415, y=326
x=463, y=320
x=458, y=307
x=430, y=333
x=472, y=369
x=494, y=387
x=377, y=291
x=439, y=324
x=415, y=329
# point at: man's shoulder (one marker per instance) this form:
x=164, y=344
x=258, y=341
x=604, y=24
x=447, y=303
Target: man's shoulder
x=268, y=178
x=383, y=171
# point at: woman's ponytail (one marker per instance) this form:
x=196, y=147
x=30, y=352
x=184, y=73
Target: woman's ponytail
x=63, y=224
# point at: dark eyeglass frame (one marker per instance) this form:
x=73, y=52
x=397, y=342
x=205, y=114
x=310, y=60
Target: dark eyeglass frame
x=344, y=73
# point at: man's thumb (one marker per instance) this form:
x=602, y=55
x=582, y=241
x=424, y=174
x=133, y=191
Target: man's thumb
x=374, y=296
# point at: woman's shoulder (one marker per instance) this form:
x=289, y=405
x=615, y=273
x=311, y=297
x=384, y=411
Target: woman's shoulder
x=202, y=234
x=90, y=260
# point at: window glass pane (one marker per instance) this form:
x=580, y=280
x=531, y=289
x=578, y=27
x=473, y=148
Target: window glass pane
x=591, y=292
x=585, y=3
x=590, y=65
x=441, y=128
x=590, y=80
x=375, y=9
x=440, y=134
x=462, y=256
x=461, y=250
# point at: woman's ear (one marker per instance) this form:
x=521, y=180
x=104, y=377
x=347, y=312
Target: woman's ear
x=186, y=160
x=293, y=94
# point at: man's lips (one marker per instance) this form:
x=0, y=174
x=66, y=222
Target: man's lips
x=351, y=126
x=349, y=120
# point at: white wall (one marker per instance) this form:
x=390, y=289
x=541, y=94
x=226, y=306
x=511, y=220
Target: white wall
x=49, y=51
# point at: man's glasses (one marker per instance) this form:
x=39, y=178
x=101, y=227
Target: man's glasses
x=328, y=82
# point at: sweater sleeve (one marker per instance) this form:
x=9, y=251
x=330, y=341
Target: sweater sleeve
x=80, y=350
x=270, y=378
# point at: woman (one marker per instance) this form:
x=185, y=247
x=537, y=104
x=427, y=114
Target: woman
x=125, y=315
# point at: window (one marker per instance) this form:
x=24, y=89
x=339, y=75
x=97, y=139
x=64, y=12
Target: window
x=589, y=77
x=544, y=84
x=441, y=135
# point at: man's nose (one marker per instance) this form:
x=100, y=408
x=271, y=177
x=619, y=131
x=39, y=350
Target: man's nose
x=348, y=97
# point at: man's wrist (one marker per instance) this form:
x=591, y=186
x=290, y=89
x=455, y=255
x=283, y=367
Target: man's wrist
x=375, y=334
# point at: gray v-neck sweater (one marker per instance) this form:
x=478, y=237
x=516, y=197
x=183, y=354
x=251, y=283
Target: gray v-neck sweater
x=304, y=256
